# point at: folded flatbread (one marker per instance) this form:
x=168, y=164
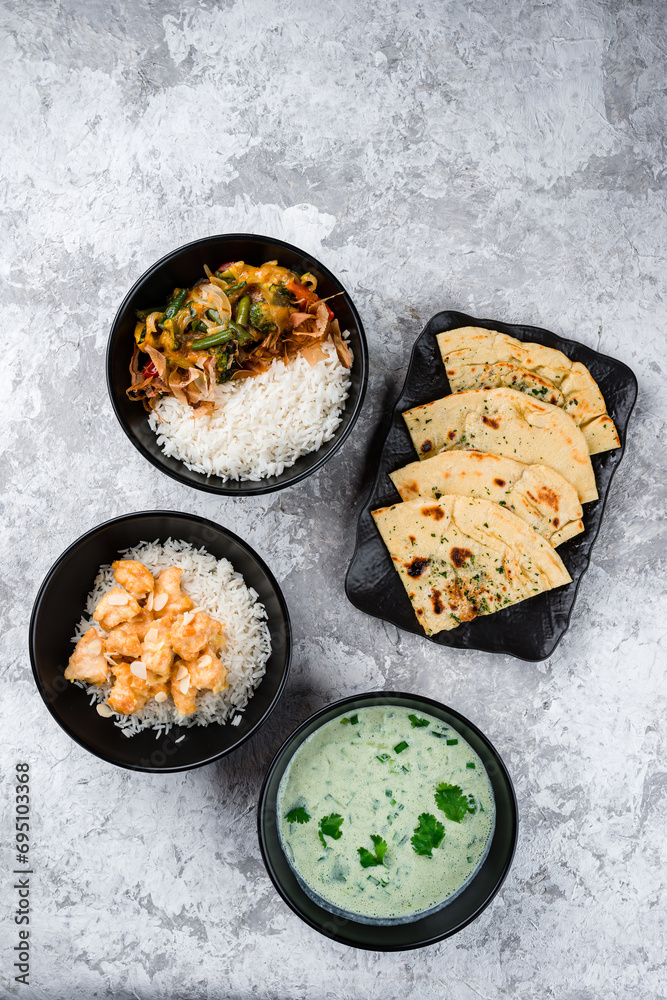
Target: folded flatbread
x=508, y=423
x=538, y=495
x=459, y=557
x=485, y=359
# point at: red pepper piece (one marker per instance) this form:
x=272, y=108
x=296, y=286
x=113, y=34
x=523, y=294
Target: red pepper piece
x=301, y=293
x=223, y=267
x=149, y=370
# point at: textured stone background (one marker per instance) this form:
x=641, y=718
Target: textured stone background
x=505, y=159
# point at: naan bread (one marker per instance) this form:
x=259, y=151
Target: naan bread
x=459, y=557
x=538, y=495
x=485, y=359
x=508, y=423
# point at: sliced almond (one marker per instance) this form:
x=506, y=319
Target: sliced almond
x=152, y=635
x=160, y=601
x=117, y=599
x=149, y=601
x=184, y=685
x=138, y=668
x=187, y=617
x=161, y=696
x=206, y=661
x=104, y=710
x=182, y=672
x=95, y=647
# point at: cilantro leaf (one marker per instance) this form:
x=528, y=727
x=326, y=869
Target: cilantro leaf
x=330, y=826
x=417, y=723
x=367, y=859
x=352, y=721
x=453, y=802
x=429, y=834
x=297, y=815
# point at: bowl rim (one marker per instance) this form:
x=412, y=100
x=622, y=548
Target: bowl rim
x=32, y=628
x=253, y=489
x=342, y=705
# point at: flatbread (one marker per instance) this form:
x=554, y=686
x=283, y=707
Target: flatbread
x=507, y=423
x=485, y=359
x=459, y=557
x=538, y=495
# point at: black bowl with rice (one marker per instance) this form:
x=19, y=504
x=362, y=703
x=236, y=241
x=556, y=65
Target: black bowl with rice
x=225, y=578
x=265, y=433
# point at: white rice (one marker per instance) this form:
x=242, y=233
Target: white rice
x=218, y=589
x=261, y=425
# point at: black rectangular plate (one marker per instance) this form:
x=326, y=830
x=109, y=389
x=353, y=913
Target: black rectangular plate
x=532, y=629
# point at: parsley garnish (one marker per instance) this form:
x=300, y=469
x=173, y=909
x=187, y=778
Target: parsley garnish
x=367, y=859
x=352, y=721
x=297, y=815
x=330, y=826
x=453, y=802
x=429, y=834
x=400, y=747
x=417, y=723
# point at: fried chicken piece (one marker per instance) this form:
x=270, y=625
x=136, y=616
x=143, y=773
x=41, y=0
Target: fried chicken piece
x=126, y=639
x=129, y=694
x=156, y=651
x=116, y=606
x=183, y=691
x=190, y=633
x=133, y=575
x=168, y=598
x=87, y=662
x=208, y=673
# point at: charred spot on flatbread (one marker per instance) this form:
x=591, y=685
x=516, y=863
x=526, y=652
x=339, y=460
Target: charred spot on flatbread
x=438, y=606
x=459, y=556
x=427, y=445
x=499, y=482
x=417, y=566
x=435, y=512
x=490, y=422
x=549, y=497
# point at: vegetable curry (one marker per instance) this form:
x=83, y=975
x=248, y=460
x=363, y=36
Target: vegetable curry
x=230, y=325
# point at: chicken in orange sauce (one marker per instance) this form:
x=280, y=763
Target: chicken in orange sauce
x=154, y=644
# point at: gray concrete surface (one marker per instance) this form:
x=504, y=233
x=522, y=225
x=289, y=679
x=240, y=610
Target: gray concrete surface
x=504, y=159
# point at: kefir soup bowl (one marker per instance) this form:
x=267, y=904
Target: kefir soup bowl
x=181, y=429
x=387, y=821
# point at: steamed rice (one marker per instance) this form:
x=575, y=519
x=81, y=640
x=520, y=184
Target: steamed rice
x=260, y=426
x=218, y=589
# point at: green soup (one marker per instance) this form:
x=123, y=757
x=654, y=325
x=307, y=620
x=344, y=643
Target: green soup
x=385, y=813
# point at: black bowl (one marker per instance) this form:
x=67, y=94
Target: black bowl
x=183, y=267
x=61, y=602
x=435, y=926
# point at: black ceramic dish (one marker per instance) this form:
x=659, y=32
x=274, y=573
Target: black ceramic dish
x=435, y=926
x=185, y=266
x=532, y=629
x=61, y=602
